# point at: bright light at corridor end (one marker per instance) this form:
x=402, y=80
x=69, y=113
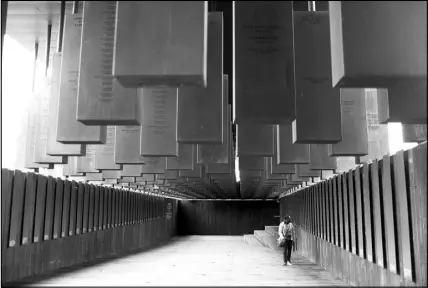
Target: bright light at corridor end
x=16, y=95
x=237, y=175
x=395, y=139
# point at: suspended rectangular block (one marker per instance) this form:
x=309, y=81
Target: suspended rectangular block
x=165, y=185
x=69, y=130
x=254, y=140
x=289, y=180
x=145, y=177
x=354, y=124
x=264, y=62
x=314, y=93
x=173, y=54
x=270, y=176
x=94, y=177
x=153, y=183
x=218, y=153
x=122, y=185
x=110, y=181
x=284, y=185
x=159, y=182
x=198, y=171
x=215, y=168
x=345, y=164
x=153, y=165
x=287, y=151
x=251, y=163
x=250, y=174
x=378, y=137
x=327, y=174
x=54, y=147
x=361, y=51
x=275, y=168
x=30, y=135
x=405, y=101
x=294, y=185
x=86, y=164
x=218, y=168
x=200, y=109
x=174, y=181
x=104, y=154
x=70, y=169
x=111, y=174
x=101, y=99
x=303, y=170
x=126, y=179
x=270, y=184
x=159, y=121
x=42, y=123
x=224, y=167
x=220, y=177
x=184, y=161
x=167, y=175
x=319, y=159
x=414, y=133
x=127, y=146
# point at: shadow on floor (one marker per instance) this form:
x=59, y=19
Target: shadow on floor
x=77, y=267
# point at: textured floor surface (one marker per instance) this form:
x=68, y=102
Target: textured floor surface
x=199, y=261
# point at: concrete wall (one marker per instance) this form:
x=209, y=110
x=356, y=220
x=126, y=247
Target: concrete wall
x=49, y=224
x=225, y=217
x=368, y=225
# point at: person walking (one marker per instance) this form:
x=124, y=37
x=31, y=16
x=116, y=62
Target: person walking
x=287, y=235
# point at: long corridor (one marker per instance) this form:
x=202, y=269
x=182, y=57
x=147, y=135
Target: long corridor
x=199, y=261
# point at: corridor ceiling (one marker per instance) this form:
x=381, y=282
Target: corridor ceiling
x=27, y=23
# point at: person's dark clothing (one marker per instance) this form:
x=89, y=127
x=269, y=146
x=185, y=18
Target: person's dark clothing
x=287, y=250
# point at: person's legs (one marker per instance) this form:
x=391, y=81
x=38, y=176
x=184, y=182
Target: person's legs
x=285, y=254
x=289, y=246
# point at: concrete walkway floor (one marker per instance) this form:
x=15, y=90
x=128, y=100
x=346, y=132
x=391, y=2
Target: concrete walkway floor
x=199, y=261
